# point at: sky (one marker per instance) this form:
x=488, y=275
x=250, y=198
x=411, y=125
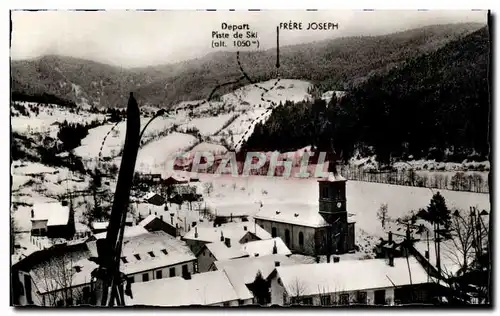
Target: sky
x=142, y=38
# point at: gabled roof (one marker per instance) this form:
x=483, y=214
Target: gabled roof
x=349, y=275
x=234, y=231
x=222, y=252
x=130, y=231
x=292, y=213
x=70, y=267
x=265, y=247
x=100, y=225
x=243, y=271
x=151, y=250
x=202, y=289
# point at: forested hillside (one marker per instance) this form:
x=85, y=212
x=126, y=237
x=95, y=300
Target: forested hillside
x=433, y=106
x=333, y=65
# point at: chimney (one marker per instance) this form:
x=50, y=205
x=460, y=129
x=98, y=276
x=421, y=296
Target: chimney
x=161, y=217
x=390, y=237
x=32, y=213
x=276, y=263
x=196, y=232
x=227, y=241
x=275, y=249
x=391, y=260
x=64, y=203
x=172, y=220
x=231, y=217
x=221, y=236
x=245, y=228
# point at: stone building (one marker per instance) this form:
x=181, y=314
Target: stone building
x=326, y=228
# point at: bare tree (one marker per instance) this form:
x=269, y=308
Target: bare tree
x=382, y=214
x=297, y=290
x=208, y=187
x=56, y=277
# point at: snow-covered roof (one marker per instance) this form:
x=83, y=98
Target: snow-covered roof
x=234, y=231
x=152, y=250
x=130, y=231
x=350, y=275
x=208, y=147
x=292, y=213
x=149, y=195
x=265, y=247
x=72, y=268
x=243, y=271
x=202, y=289
x=100, y=225
x=53, y=212
x=332, y=177
x=222, y=252
x=147, y=220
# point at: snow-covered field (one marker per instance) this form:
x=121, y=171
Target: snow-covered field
x=43, y=121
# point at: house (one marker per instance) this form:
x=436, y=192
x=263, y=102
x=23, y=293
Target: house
x=153, y=223
x=314, y=230
x=130, y=231
x=99, y=227
x=154, y=198
x=370, y=281
x=56, y=276
x=266, y=247
x=218, y=251
x=225, y=250
x=53, y=219
x=207, y=289
x=243, y=271
x=154, y=255
x=238, y=233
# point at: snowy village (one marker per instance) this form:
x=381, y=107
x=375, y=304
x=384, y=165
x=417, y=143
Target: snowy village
x=118, y=199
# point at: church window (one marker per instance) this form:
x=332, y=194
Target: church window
x=301, y=239
x=274, y=232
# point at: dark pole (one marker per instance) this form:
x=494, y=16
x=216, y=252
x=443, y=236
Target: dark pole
x=109, y=249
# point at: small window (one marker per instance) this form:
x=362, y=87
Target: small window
x=124, y=259
x=226, y=304
x=151, y=254
x=60, y=303
x=158, y=274
x=164, y=251
x=344, y=299
x=69, y=302
x=77, y=269
x=325, y=300
x=240, y=302
x=145, y=277
x=361, y=297
x=274, y=232
x=137, y=257
x=172, y=272
x=185, y=269
x=131, y=280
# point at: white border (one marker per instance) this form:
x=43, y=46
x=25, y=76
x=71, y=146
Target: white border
x=185, y=4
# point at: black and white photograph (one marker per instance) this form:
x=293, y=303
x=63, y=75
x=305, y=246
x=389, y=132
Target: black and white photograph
x=237, y=158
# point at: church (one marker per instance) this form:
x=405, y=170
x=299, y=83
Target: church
x=321, y=229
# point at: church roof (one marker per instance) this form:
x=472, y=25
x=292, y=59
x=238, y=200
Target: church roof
x=292, y=213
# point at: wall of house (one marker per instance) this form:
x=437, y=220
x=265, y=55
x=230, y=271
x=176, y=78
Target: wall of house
x=278, y=293
x=39, y=228
x=248, y=237
x=137, y=277
x=205, y=260
x=294, y=245
x=195, y=245
x=227, y=303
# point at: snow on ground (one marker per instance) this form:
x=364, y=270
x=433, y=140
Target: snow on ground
x=207, y=125
x=155, y=156
x=285, y=89
x=209, y=147
x=91, y=144
x=43, y=122
x=363, y=198
x=327, y=96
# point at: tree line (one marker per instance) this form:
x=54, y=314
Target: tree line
x=435, y=106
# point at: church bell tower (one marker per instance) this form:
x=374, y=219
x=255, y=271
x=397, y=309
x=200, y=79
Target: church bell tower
x=333, y=208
